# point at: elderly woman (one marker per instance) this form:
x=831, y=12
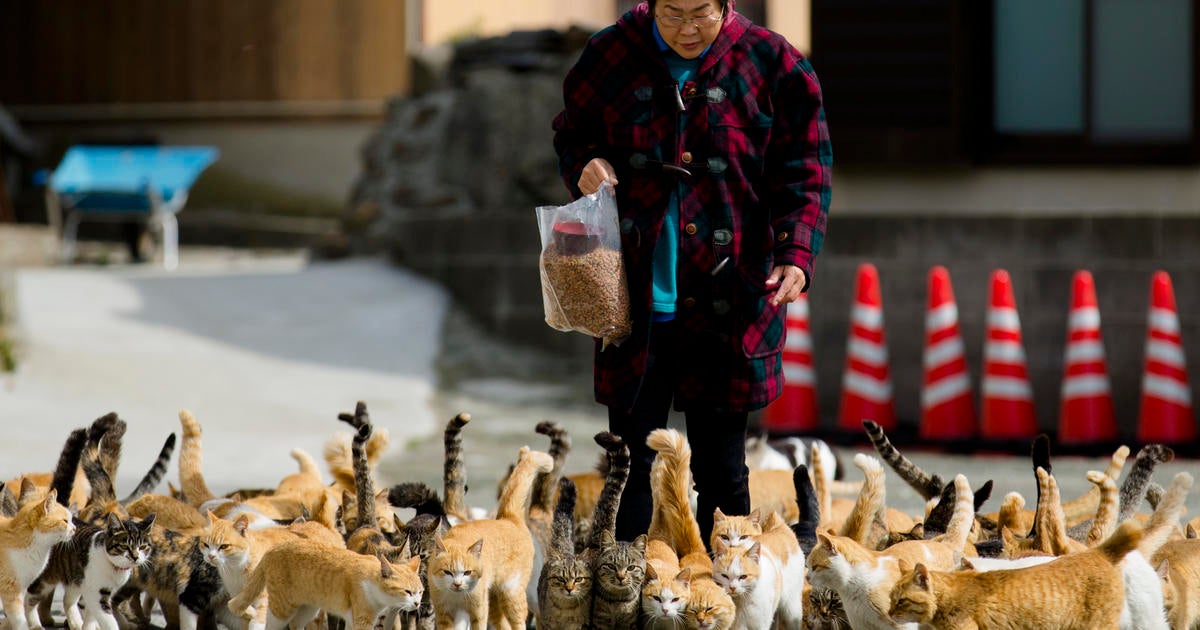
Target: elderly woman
x=712, y=131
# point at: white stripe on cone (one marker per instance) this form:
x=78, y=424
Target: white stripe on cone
x=1167, y=353
x=1006, y=388
x=1167, y=389
x=869, y=352
x=946, y=389
x=941, y=317
x=1085, y=351
x=798, y=341
x=1085, y=386
x=869, y=317
x=1084, y=318
x=878, y=391
x=1003, y=352
x=943, y=352
x=1164, y=321
x=798, y=374
x=1004, y=319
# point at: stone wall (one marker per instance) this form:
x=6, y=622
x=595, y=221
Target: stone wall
x=451, y=182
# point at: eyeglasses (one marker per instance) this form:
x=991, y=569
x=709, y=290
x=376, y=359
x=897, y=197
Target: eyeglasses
x=704, y=21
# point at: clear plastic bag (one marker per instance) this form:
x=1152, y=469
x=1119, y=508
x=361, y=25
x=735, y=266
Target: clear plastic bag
x=583, y=275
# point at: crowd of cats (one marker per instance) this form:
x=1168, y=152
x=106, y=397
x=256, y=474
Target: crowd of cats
x=313, y=553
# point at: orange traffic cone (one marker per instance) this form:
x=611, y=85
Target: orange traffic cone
x=1007, y=407
x=795, y=411
x=1166, y=410
x=947, y=411
x=867, y=381
x=1086, y=415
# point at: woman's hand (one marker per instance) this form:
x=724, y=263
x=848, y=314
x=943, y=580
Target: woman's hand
x=595, y=173
x=791, y=281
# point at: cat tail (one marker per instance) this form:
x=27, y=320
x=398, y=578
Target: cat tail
x=1165, y=519
x=1126, y=539
x=63, y=479
x=560, y=446
x=1133, y=489
x=514, y=500
x=960, y=523
x=1106, y=515
x=821, y=487
x=156, y=473
x=111, y=443
x=308, y=465
x=604, y=514
x=1080, y=509
x=1052, y=529
x=870, y=501
x=191, y=459
x=454, y=469
x=926, y=485
x=416, y=495
x=670, y=483
x=562, y=531
x=364, y=484
x=93, y=468
x=256, y=583
x=810, y=510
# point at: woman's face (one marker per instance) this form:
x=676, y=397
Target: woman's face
x=701, y=21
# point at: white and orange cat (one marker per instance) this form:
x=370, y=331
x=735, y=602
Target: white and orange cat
x=766, y=579
x=479, y=570
x=25, y=544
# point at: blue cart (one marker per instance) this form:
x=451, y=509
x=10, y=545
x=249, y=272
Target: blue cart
x=148, y=183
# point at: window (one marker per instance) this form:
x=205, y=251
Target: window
x=1089, y=81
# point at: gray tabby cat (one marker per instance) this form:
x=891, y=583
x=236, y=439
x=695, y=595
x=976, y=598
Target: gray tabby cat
x=564, y=587
x=91, y=565
x=618, y=567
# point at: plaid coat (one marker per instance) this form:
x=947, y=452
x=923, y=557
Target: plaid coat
x=755, y=194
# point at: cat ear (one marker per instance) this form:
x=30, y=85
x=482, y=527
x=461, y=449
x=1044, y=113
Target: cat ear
x=1163, y=570
x=438, y=545
x=823, y=539
x=756, y=516
x=112, y=521
x=414, y=564
x=754, y=552
x=639, y=543
x=476, y=549
x=385, y=568
x=965, y=564
x=241, y=524
x=921, y=577
x=684, y=576
x=50, y=500
x=651, y=574
x=1191, y=531
x=148, y=522
x=607, y=539
x=718, y=516
x=347, y=497
x=211, y=516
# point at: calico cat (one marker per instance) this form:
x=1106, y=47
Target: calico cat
x=479, y=570
x=766, y=579
x=1082, y=590
x=302, y=578
x=564, y=588
x=618, y=567
x=25, y=544
x=709, y=606
x=91, y=566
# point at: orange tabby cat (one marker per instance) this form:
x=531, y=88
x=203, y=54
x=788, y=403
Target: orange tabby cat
x=25, y=544
x=666, y=590
x=1178, y=564
x=1082, y=590
x=302, y=578
x=765, y=580
x=480, y=569
x=709, y=606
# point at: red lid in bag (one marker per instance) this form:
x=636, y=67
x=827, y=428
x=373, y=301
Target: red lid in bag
x=576, y=237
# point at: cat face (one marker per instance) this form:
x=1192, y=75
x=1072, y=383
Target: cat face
x=824, y=611
x=568, y=578
x=736, y=531
x=224, y=544
x=401, y=584
x=912, y=598
x=455, y=568
x=711, y=608
x=737, y=570
x=127, y=542
x=826, y=566
x=620, y=567
x=52, y=521
x=666, y=598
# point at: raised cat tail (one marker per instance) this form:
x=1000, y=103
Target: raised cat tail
x=562, y=533
x=926, y=485
x=870, y=501
x=308, y=465
x=63, y=479
x=1084, y=506
x=1126, y=539
x=670, y=478
x=156, y=473
x=111, y=443
x=560, y=446
x=810, y=510
x=256, y=583
x=191, y=459
x=454, y=469
x=514, y=501
x=416, y=495
x=1165, y=518
x=1106, y=515
x=1133, y=489
x=364, y=484
x=964, y=515
x=604, y=515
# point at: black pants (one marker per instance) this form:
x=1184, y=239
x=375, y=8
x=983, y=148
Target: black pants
x=717, y=439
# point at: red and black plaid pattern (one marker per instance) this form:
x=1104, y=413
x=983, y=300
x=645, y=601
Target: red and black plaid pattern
x=758, y=156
